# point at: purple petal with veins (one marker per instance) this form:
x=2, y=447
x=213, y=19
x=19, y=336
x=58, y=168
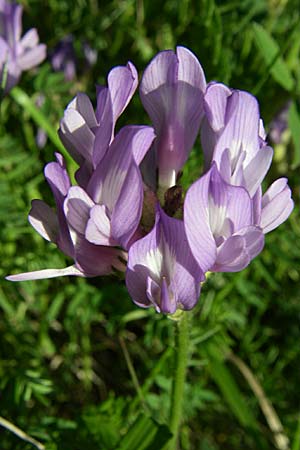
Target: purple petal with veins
x=44, y=220
x=59, y=182
x=171, y=91
x=161, y=270
x=117, y=183
x=218, y=220
x=277, y=205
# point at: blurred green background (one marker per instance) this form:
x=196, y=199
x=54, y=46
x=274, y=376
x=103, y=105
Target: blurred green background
x=65, y=343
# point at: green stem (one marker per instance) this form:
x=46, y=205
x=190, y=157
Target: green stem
x=40, y=119
x=182, y=354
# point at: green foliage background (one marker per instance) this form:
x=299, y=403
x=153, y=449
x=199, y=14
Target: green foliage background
x=63, y=342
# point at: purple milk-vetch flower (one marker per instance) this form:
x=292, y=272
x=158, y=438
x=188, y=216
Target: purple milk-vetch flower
x=17, y=54
x=219, y=224
x=64, y=59
x=109, y=212
x=233, y=136
x=87, y=134
x=161, y=270
x=90, y=260
x=171, y=91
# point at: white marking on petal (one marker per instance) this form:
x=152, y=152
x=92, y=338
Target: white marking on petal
x=161, y=262
x=217, y=216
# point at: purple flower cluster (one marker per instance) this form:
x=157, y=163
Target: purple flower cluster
x=127, y=212
x=16, y=54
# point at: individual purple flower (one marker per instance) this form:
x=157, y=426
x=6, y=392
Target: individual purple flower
x=87, y=134
x=90, y=260
x=219, y=224
x=171, y=91
x=16, y=54
x=63, y=58
x=161, y=270
x=109, y=212
x=233, y=136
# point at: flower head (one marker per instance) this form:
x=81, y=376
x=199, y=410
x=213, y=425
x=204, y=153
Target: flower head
x=114, y=214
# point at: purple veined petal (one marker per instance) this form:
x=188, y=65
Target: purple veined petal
x=143, y=139
x=59, y=182
x=215, y=105
x=189, y=68
x=46, y=273
x=241, y=131
x=232, y=255
x=98, y=229
x=161, y=270
x=277, y=205
x=117, y=184
x=29, y=40
x=254, y=240
x=58, y=179
x=83, y=105
x=238, y=250
x=257, y=168
x=276, y=188
x=77, y=206
x=239, y=207
x=215, y=117
x=122, y=83
x=230, y=207
x=188, y=275
x=171, y=91
x=111, y=102
x=107, y=180
x=197, y=223
x=213, y=211
x=44, y=220
x=102, y=93
x=76, y=135
x=32, y=57
x=158, y=72
x=104, y=131
x=127, y=212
